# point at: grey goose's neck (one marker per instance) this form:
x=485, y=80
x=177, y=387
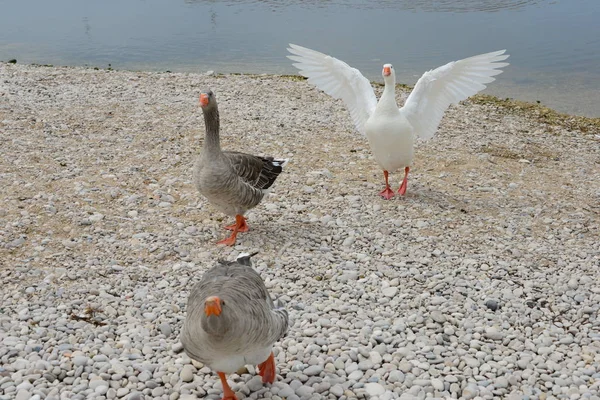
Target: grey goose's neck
x=211, y=122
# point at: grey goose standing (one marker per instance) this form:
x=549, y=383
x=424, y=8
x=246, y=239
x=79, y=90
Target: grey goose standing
x=233, y=182
x=232, y=321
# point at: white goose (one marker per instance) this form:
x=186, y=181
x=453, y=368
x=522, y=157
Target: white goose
x=391, y=130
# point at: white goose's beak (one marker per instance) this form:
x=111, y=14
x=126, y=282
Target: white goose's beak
x=387, y=71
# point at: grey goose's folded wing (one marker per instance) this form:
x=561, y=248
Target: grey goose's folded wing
x=259, y=172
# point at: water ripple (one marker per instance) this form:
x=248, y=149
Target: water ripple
x=449, y=6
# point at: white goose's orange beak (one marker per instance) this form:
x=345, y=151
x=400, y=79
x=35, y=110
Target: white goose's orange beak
x=212, y=306
x=203, y=99
x=387, y=71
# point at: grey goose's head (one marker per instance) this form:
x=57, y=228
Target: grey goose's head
x=217, y=317
x=208, y=100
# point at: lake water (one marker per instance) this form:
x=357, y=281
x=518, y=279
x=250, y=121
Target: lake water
x=554, y=45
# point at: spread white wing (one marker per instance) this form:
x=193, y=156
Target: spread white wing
x=449, y=84
x=337, y=79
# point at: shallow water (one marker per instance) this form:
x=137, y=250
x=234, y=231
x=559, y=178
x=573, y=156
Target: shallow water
x=554, y=45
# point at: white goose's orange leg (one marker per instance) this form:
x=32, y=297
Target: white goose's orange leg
x=266, y=369
x=228, y=394
x=404, y=185
x=386, y=193
x=239, y=222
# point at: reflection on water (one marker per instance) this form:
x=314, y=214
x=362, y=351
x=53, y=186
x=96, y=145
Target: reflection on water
x=86, y=27
x=406, y=5
x=554, y=44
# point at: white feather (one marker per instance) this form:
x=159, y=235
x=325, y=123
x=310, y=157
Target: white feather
x=281, y=162
x=449, y=84
x=337, y=79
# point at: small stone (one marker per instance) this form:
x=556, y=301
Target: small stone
x=305, y=391
x=165, y=329
x=470, y=391
x=97, y=382
x=544, y=350
x=80, y=360
x=355, y=375
x=313, y=370
x=437, y=384
x=177, y=347
x=145, y=375
x=374, y=389
x=287, y=391
x=501, y=382
x=349, y=241
x=16, y=243
x=135, y=396
x=23, y=395
x=322, y=387
x=492, y=304
x=96, y=217
x=395, y=376
x=405, y=366
x=472, y=362
x=102, y=389
x=493, y=333
x=573, y=284
x=438, y=317
x=255, y=384
x=337, y=390
x=187, y=373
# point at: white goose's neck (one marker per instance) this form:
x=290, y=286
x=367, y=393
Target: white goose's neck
x=387, y=102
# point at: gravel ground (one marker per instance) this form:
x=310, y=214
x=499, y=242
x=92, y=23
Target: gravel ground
x=481, y=283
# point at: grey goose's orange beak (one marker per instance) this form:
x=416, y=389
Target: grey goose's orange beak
x=212, y=305
x=203, y=100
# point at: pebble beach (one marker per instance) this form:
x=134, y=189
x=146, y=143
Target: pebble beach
x=481, y=283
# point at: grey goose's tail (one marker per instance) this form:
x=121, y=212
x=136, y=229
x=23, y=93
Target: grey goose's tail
x=271, y=169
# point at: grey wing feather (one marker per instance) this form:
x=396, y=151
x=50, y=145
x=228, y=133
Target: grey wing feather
x=259, y=172
x=280, y=329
